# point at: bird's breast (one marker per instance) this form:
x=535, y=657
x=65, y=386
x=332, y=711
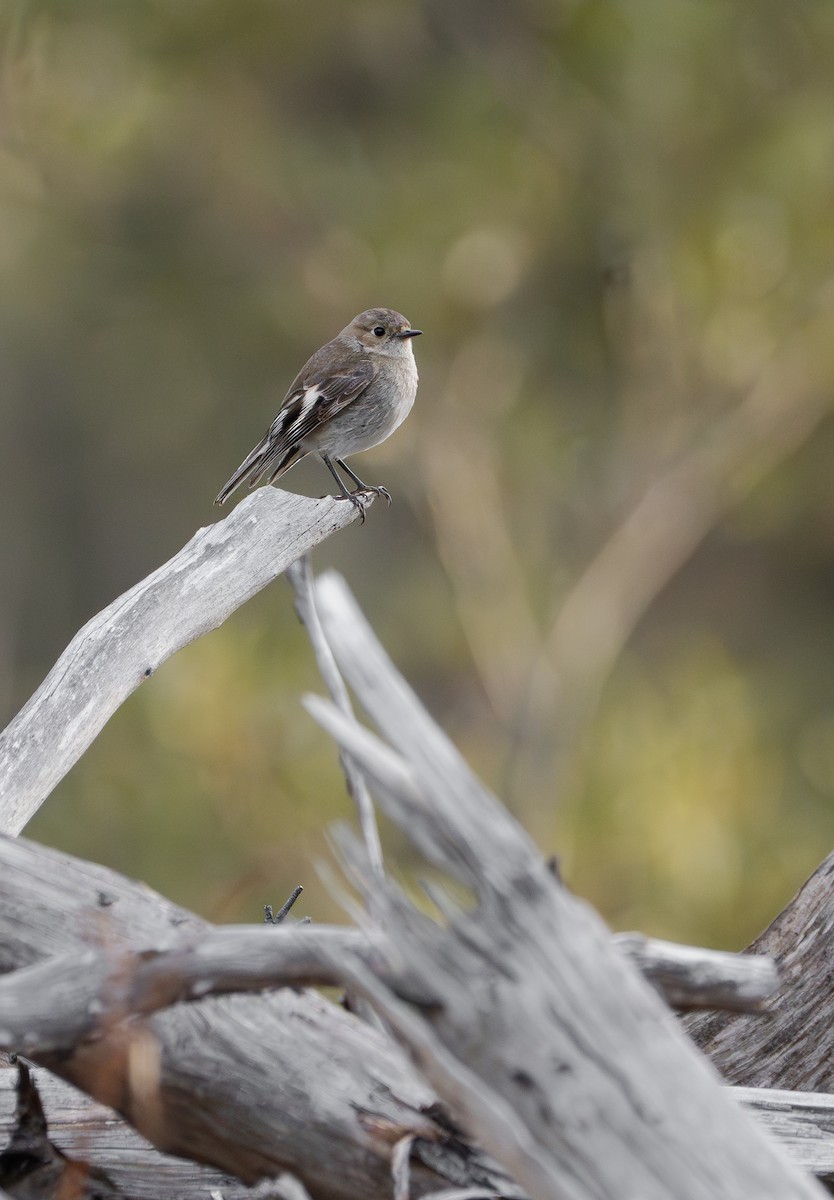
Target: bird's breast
x=374, y=414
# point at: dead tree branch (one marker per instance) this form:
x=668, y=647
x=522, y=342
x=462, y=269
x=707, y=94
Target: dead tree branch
x=51, y=1007
x=250, y=1085
x=85, y=1129
x=218, y=570
x=537, y=1017
x=690, y=978
x=793, y=1047
x=526, y=1019
x=300, y=575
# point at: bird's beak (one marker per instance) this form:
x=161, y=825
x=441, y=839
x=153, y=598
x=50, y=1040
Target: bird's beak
x=409, y=333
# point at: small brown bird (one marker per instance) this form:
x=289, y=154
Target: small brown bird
x=351, y=395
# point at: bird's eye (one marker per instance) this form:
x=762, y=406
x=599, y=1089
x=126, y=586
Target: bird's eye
x=379, y=330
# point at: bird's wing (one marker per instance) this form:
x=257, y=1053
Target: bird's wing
x=315, y=401
x=314, y=398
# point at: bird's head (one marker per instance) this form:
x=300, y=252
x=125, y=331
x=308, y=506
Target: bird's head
x=382, y=330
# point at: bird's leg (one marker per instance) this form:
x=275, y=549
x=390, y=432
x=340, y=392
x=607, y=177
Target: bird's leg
x=355, y=499
x=365, y=487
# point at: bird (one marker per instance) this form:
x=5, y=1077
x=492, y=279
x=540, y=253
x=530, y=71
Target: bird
x=349, y=396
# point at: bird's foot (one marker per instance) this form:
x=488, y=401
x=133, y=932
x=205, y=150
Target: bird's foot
x=377, y=491
x=358, y=499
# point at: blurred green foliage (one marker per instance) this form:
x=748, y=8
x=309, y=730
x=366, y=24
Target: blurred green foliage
x=608, y=570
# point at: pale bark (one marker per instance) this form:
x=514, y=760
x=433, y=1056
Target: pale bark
x=90, y=1132
x=794, y=1047
x=527, y=1022
x=48, y=1008
x=535, y=1021
x=218, y=570
x=77, y=906
x=688, y=977
x=251, y=1085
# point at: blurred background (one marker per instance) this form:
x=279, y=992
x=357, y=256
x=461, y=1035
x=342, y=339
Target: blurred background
x=609, y=567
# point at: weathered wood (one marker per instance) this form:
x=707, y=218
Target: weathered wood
x=528, y=1020
x=300, y=575
x=84, y=1129
x=251, y=1085
x=802, y=1122
x=794, y=1047
x=687, y=977
x=34, y=1167
x=549, y=1048
x=50, y=1007
x=218, y=570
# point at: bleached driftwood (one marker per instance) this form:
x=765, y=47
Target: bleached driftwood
x=803, y=1123
x=251, y=1085
x=527, y=1021
x=218, y=570
x=90, y=1132
x=79, y=992
x=688, y=977
x=50, y=1007
x=536, y=1021
x=793, y=1047
x=300, y=575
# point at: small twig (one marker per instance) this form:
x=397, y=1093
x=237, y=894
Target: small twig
x=301, y=577
x=400, y=1173
x=473, y=1193
x=271, y=918
x=442, y=899
x=285, y=1187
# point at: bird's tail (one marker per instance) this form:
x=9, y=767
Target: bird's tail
x=256, y=464
x=251, y=465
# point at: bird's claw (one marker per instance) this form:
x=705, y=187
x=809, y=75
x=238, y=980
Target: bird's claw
x=359, y=498
x=375, y=490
